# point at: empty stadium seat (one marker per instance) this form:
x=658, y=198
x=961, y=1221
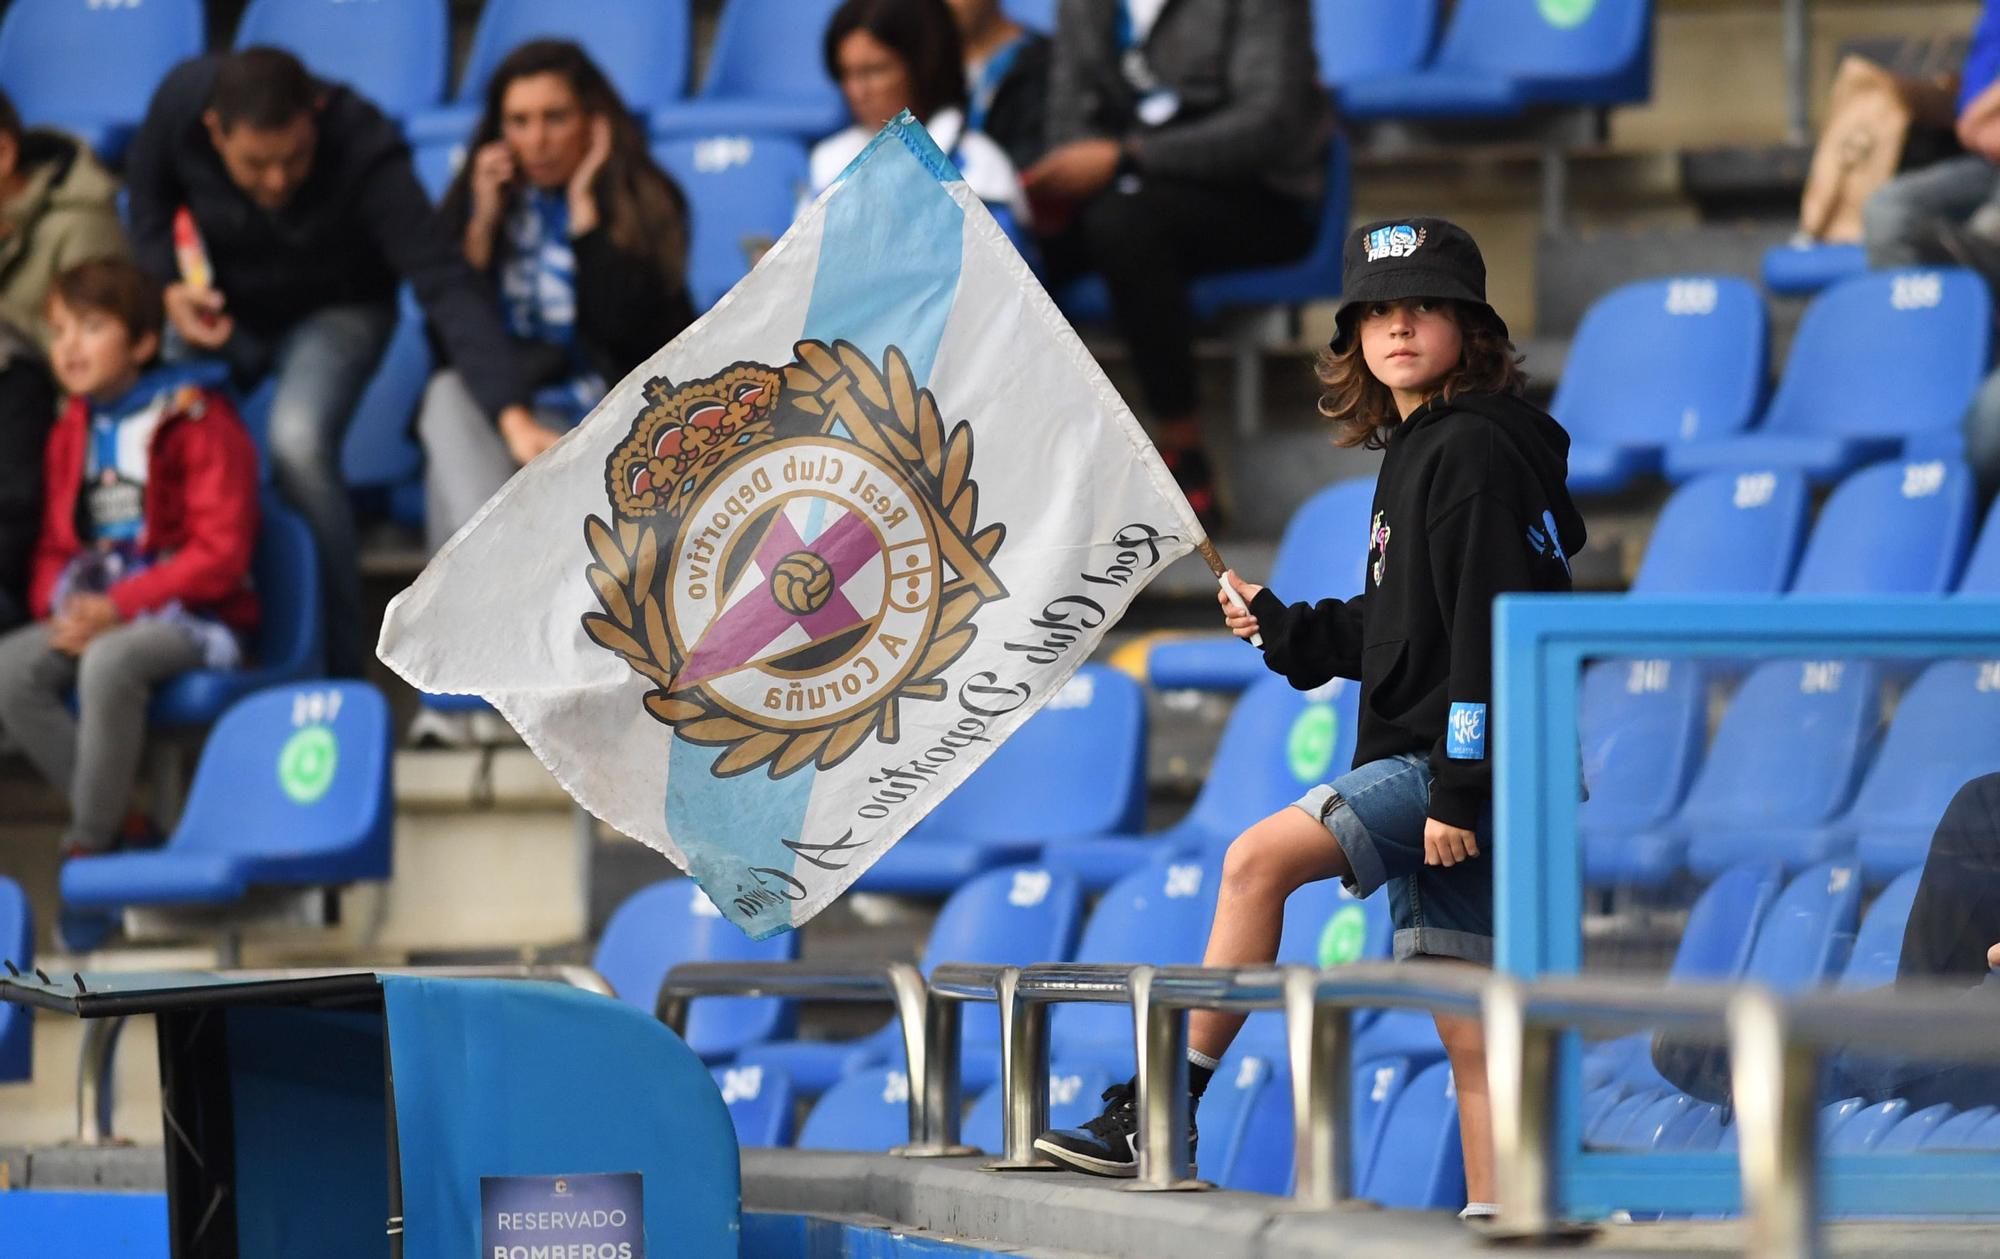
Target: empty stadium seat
x=396, y=54
x=1278, y=744
x=17, y=949
x=381, y=448
x=1801, y=270
x=1807, y=935
x=868, y=1110
x=1498, y=57
x=1261, y=1158
x=1657, y=363
x=1074, y=1097
x=90, y=68
x=292, y=790
x=1011, y=917
x=1960, y=1131
x=1323, y=554
x=1418, y=1161
x=1075, y=768
x=1727, y=533
x=1862, y=1131
x=1158, y=915
x=760, y=1102
x=1643, y=723
x=1981, y=577
x=1915, y=1128
x=1783, y=765
x=1891, y=529
x=1357, y=40
x=288, y=643
x=659, y=927
x=742, y=192
x=1879, y=359
x=643, y=47
x=1878, y=945
x=765, y=73
x=1039, y=14
x=1946, y=731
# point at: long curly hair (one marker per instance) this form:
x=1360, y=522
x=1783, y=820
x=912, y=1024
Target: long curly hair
x=643, y=210
x=1362, y=409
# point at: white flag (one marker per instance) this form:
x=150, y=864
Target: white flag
x=871, y=511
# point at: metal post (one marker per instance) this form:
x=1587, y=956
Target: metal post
x=1161, y=1035
x=1318, y=1044
x=912, y=998
x=1246, y=352
x=943, y=1025
x=96, y=1087
x=1520, y=1073
x=1773, y=1085
x=1798, y=86
x=1024, y=1075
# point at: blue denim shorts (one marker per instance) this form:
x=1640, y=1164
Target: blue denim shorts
x=1376, y=813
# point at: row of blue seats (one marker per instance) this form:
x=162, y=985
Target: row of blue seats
x=91, y=66
x=1893, y=529
x=1668, y=376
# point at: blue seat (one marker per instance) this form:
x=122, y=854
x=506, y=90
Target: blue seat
x=380, y=449
x=1783, y=765
x=1981, y=577
x=1866, y=1128
x=659, y=927
x=1946, y=731
x=1038, y=14
x=1157, y=915
x=1801, y=270
x=1261, y=1158
x=1914, y=1130
x=1878, y=945
x=1805, y=938
x=1498, y=57
x=17, y=949
x=1960, y=1130
x=1656, y=363
x=292, y=790
x=643, y=47
x=1279, y=742
x=1357, y=40
x=1879, y=360
x=742, y=191
x=1891, y=529
x=1075, y=768
x=90, y=68
x=1727, y=533
x=868, y=1110
x=1244, y=1083
x=1075, y=1096
x=1011, y=917
x=396, y=54
x=1643, y=723
x=288, y=644
x=1418, y=1161
x=436, y=160
x=1322, y=555
x=765, y=73
x=760, y=1104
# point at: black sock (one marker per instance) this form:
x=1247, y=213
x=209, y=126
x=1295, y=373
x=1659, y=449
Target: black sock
x=1198, y=1078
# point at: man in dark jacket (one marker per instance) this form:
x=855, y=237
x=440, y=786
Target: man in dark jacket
x=302, y=198
x=27, y=411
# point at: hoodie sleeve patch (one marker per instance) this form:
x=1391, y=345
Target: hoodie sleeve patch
x=1465, y=732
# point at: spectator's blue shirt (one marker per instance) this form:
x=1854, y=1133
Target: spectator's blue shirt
x=1982, y=60
x=116, y=463
x=538, y=294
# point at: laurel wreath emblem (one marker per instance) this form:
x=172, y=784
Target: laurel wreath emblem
x=628, y=578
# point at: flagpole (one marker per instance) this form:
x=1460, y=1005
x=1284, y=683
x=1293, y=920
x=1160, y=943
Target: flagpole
x=1216, y=566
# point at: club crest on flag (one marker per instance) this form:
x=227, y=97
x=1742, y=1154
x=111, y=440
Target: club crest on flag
x=793, y=555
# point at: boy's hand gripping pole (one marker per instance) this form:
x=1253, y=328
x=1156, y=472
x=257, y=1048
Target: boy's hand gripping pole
x=1216, y=566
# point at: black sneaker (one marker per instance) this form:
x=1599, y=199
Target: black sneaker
x=1109, y=1144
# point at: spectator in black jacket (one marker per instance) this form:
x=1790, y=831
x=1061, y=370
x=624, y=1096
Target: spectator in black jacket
x=27, y=412
x=1184, y=138
x=583, y=239
x=301, y=196
x=1007, y=74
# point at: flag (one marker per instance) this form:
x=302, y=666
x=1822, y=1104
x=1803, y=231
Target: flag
x=803, y=569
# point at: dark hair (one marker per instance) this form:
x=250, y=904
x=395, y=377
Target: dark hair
x=264, y=89
x=643, y=209
x=921, y=32
x=118, y=287
x=1363, y=410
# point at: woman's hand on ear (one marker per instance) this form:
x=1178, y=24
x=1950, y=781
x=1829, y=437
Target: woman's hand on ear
x=582, y=204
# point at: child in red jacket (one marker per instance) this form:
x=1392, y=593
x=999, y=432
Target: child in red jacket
x=142, y=567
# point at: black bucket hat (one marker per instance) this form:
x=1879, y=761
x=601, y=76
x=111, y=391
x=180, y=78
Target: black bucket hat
x=1393, y=259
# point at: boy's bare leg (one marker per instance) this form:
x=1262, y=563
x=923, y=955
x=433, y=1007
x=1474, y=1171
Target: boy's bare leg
x=1265, y=864
x=1465, y=1044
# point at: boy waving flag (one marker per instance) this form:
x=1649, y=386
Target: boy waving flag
x=806, y=567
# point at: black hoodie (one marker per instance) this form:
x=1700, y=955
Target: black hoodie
x=1469, y=494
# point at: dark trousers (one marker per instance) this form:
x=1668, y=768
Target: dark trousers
x=1150, y=240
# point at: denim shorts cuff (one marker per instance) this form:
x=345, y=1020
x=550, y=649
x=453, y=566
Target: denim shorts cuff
x=1466, y=946
x=1354, y=840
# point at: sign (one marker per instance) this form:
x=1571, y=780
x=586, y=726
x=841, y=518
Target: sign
x=598, y=1215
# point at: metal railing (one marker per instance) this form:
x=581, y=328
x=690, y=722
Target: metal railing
x=97, y=1057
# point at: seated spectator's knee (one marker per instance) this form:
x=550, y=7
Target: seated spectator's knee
x=1890, y=225
x=304, y=440
x=1122, y=237
x=105, y=681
